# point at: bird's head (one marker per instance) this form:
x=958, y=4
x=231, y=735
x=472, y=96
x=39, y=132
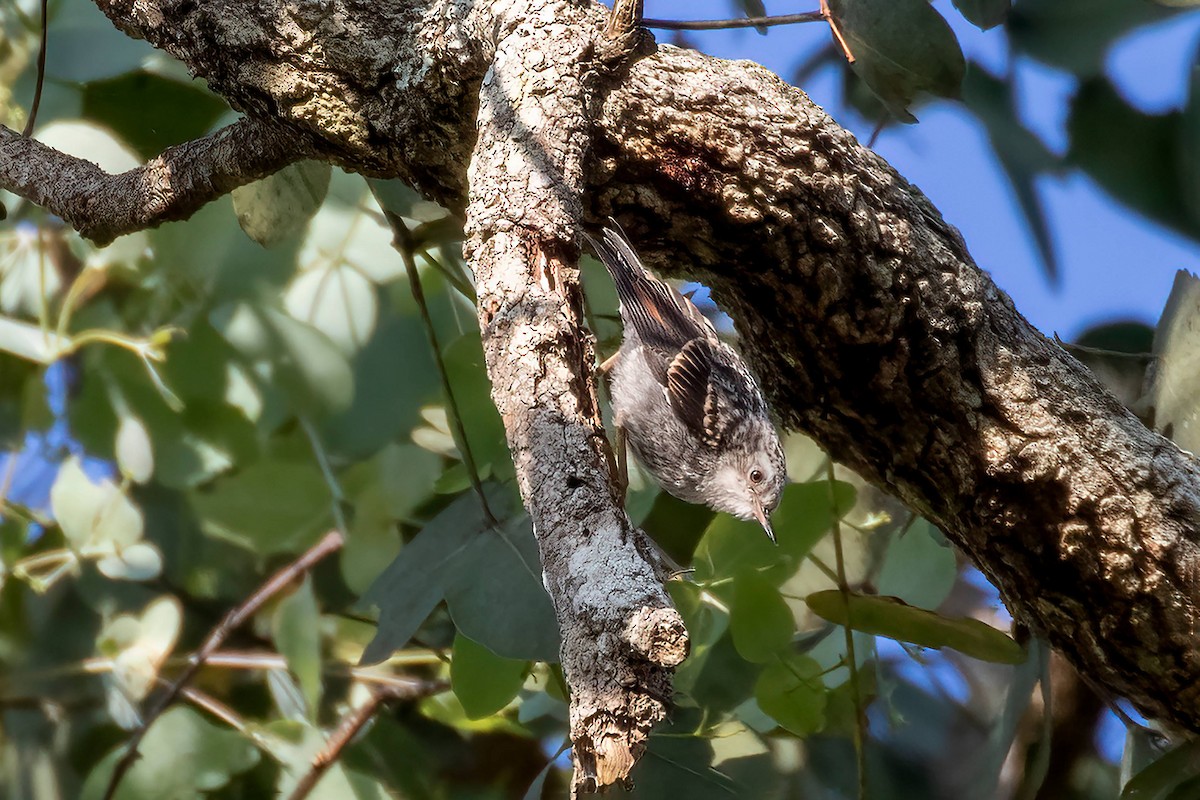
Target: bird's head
x=750, y=473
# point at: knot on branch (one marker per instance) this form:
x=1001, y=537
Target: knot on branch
x=658, y=635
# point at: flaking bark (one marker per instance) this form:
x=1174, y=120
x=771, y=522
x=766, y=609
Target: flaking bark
x=869, y=324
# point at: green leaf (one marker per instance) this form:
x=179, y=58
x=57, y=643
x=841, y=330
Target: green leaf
x=1174, y=381
x=917, y=568
x=31, y=342
x=92, y=142
x=887, y=616
x=489, y=577
x=138, y=562
x=901, y=48
x=269, y=507
x=340, y=302
x=681, y=766
x=1017, y=700
x=759, y=619
x=295, y=631
x=1051, y=32
x=394, y=375
x=984, y=14
x=307, y=365
x=135, y=454
x=96, y=518
x=280, y=205
x=294, y=744
x=731, y=546
x=182, y=757
x=496, y=597
x=1132, y=155
x=151, y=112
x=791, y=692
x=1023, y=156
x=473, y=391
x=416, y=581
x=1160, y=779
x=87, y=46
x=483, y=681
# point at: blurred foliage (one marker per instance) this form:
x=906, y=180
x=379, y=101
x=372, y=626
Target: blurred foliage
x=184, y=410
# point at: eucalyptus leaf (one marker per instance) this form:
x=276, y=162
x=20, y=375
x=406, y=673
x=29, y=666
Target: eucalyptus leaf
x=416, y=581
x=790, y=691
x=295, y=632
x=1159, y=780
x=917, y=568
x=759, y=619
x=31, y=342
x=483, y=681
x=1173, y=383
x=96, y=518
x=183, y=756
x=279, y=206
x=901, y=48
x=984, y=14
x=887, y=616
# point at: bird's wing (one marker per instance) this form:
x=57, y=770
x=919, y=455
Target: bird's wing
x=663, y=318
x=697, y=391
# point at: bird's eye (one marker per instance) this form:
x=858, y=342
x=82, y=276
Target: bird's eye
x=756, y=476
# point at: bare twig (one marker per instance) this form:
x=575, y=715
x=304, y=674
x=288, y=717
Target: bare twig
x=349, y=726
x=169, y=187
x=404, y=244
x=330, y=543
x=41, y=73
x=827, y=15
x=723, y=24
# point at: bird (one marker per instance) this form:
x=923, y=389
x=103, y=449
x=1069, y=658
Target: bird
x=684, y=401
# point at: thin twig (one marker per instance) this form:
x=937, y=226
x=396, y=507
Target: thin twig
x=860, y=750
x=403, y=243
x=213, y=706
x=41, y=73
x=348, y=727
x=723, y=24
x=330, y=543
x=827, y=15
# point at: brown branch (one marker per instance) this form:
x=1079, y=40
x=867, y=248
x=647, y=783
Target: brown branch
x=349, y=726
x=329, y=543
x=724, y=24
x=172, y=186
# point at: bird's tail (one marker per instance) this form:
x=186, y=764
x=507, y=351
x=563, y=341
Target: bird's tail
x=615, y=252
x=662, y=316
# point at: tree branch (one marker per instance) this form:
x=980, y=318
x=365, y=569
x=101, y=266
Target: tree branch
x=859, y=306
x=170, y=187
x=621, y=637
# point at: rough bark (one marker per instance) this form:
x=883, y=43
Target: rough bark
x=170, y=187
x=620, y=635
x=862, y=311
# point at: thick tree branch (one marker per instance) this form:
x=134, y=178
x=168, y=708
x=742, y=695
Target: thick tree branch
x=867, y=320
x=172, y=186
x=620, y=635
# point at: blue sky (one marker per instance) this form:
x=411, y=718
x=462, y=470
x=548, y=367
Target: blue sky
x=1115, y=263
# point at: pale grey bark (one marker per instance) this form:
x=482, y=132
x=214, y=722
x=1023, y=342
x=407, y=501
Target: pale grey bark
x=868, y=322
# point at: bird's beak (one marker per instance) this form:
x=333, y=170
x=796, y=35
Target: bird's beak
x=765, y=521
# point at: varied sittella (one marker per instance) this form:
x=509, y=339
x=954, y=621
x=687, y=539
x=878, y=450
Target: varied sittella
x=685, y=401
